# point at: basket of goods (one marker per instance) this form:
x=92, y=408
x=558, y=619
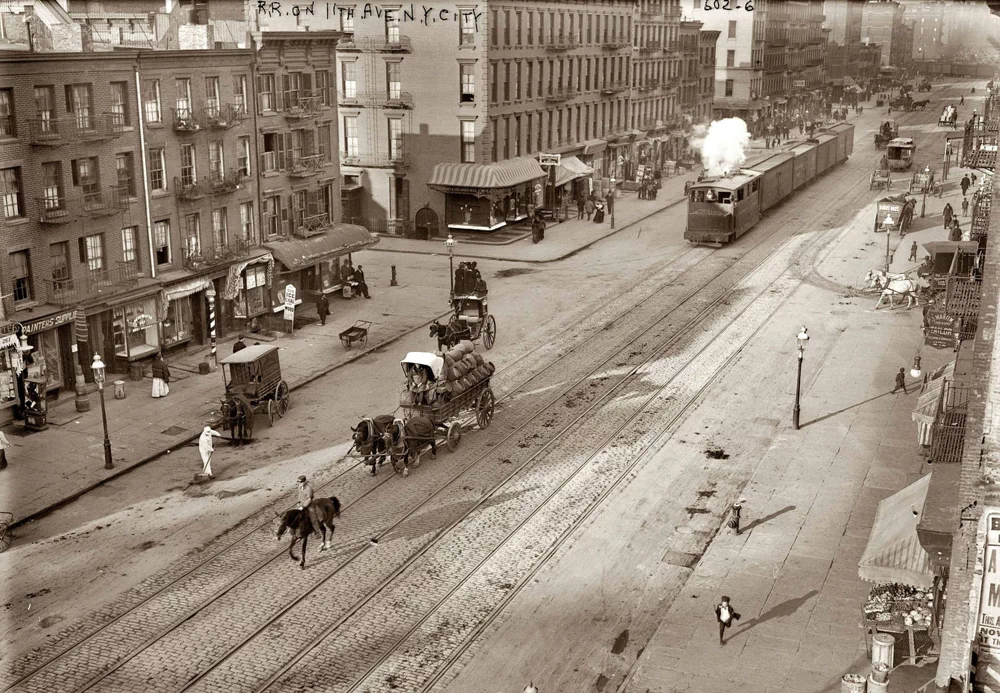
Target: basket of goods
x=463, y=369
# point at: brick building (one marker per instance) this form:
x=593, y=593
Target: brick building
x=707, y=41
x=843, y=55
x=883, y=23
x=806, y=43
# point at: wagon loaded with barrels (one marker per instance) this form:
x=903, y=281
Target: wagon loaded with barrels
x=452, y=390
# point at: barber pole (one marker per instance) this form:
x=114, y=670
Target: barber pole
x=210, y=294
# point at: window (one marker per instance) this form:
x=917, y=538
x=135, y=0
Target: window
x=468, y=142
x=243, y=155
x=271, y=215
x=240, y=93
x=92, y=251
x=216, y=165
x=495, y=72
x=506, y=81
x=351, y=135
x=7, y=127
x=182, y=102
x=527, y=133
x=730, y=58
x=52, y=188
x=292, y=83
x=20, y=268
x=79, y=102
x=12, y=192
x=87, y=176
x=506, y=27
x=323, y=87
x=467, y=28
x=220, y=228
x=130, y=246
x=59, y=261
x=161, y=241
x=192, y=235
x=189, y=174
x=531, y=28
x=273, y=156
x=151, y=100
x=125, y=170
x=517, y=82
x=299, y=209
x=347, y=20
x=119, y=103
x=729, y=87
x=349, y=79
x=213, y=97
x=493, y=28
x=265, y=92
x=468, y=82
x=45, y=106
x=732, y=28
x=323, y=141
x=392, y=80
x=395, y=137
x=392, y=26
x=517, y=135
x=157, y=169
x=246, y=222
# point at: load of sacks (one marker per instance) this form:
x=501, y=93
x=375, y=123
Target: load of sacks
x=463, y=369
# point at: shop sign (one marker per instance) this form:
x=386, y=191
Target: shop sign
x=289, y=302
x=9, y=342
x=549, y=159
x=141, y=322
x=39, y=325
x=940, y=330
x=988, y=620
x=799, y=83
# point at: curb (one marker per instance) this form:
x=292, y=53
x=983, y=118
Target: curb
x=564, y=256
x=316, y=375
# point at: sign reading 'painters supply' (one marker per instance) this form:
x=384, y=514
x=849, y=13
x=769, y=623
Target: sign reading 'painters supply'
x=988, y=619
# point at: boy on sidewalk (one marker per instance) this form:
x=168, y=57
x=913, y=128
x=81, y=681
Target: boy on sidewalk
x=913, y=252
x=725, y=614
x=901, y=381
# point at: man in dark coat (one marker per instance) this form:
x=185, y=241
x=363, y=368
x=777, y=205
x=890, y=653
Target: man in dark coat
x=948, y=213
x=322, y=308
x=239, y=344
x=901, y=381
x=965, y=184
x=581, y=205
x=359, y=277
x=725, y=615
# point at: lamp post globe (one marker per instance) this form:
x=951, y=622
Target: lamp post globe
x=802, y=337
x=99, y=375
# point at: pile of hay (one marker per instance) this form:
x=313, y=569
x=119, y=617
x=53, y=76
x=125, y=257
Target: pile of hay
x=463, y=369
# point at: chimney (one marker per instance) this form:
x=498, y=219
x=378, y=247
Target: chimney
x=192, y=37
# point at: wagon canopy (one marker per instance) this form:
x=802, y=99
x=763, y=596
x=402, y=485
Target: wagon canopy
x=251, y=353
x=423, y=358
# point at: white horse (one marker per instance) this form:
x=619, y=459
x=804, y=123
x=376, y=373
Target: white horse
x=898, y=287
x=878, y=278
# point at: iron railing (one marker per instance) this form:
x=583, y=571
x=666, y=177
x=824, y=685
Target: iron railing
x=222, y=183
x=979, y=145
x=375, y=43
x=982, y=200
x=305, y=166
x=616, y=45
x=948, y=431
x=75, y=128
x=312, y=225
x=562, y=44
x=185, y=120
x=189, y=190
x=234, y=249
x=225, y=116
x=301, y=104
x=561, y=95
x=92, y=284
x=392, y=227
x=400, y=160
x=100, y=203
x=52, y=209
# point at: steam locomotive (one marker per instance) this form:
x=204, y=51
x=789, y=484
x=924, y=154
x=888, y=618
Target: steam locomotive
x=721, y=209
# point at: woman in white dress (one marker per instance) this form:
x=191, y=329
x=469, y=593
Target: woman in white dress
x=161, y=377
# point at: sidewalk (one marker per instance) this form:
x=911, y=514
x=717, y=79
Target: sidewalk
x=52, y=467
x=562, y=239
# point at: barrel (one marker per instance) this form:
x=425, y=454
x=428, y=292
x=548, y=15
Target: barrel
x=880, y=673
x=853, y=683
x=119, y=389
x=877, y=687
x=883, y=649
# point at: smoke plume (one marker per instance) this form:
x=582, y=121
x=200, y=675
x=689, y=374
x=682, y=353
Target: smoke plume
x=723, y=145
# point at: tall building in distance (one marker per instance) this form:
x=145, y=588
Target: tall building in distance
x=707, y=41
x=883, y=24
x=843, y=50
x=805, y=48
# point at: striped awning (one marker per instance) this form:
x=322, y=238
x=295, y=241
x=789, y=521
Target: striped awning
x=571, y=168
x=894, y=552
x=503, y=174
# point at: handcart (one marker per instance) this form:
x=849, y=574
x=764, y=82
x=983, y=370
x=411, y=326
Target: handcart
x=356, y=334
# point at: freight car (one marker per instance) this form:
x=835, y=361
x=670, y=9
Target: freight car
x=722, y=209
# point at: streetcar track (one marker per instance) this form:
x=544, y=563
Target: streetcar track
x=574, y=348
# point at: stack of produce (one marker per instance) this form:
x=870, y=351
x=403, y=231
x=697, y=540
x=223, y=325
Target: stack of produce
x=463, y=369
x=901, y=605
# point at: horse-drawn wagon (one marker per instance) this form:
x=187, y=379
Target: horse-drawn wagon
x=949, y=116
x=899, y=153
x=252, y=377
x=894, y=213
x=922, y=181
x=887, y=132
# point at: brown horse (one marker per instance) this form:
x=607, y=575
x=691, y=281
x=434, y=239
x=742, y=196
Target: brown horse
x=369, y=439
x=297, y=521
x=407, y=439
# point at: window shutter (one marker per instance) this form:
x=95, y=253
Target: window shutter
x=75, y=169
x=69, y=98
x=260, y=93
x=83, y=249
x=287, y=159
x=404, y=205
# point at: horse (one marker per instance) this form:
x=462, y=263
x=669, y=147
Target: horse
x=237, y=416
x=922, y=104
x=901, y=287
x=369, y=439
x=445, y=337
x=406, y=439
x=877, y=278
x=297, y=520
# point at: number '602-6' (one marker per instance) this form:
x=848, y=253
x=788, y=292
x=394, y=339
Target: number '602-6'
x=726, y=5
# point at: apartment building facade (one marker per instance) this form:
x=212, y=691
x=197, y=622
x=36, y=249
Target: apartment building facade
x=806, y=47
x=883, y=23
x=843, y=49
x=707, y=42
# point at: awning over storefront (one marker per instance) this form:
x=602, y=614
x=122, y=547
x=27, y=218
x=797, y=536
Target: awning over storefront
x=927, y=403
x=234, y=282
x=940, y=516
x=571, y=168
x=594, y=147
x=894, y=553
x=503, y=174
x=339, y=240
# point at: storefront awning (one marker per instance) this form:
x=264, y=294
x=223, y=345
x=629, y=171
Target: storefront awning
x=339, y=240
x=894, y=553
x=191, y=286
x=927, y=403
x=503, y=174
x=594, y=147
x=571, y=168
x=940, y=516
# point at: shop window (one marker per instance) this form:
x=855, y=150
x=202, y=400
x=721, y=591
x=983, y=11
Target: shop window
x=20, y=269
x=130, y=247
x=46, y=359
x=10, y=364
x=177, y=325
x=12, y=192
x=135, y=329
x=92, y=251
x=119, y=103
x=59, y=261
x=254, y=296
x=151, y=100
x=161, y=242
x=7, y=123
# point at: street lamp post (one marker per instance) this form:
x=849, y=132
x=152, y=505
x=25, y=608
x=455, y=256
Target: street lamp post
x=612, y=210
x=927, y=184
x=802, y=337
x=450, y=244
x=98, y=367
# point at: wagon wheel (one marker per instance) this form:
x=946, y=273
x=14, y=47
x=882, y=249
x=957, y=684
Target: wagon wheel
x=489, y=332
x=454, y=435
x=272, y=409
x=485, y=408
x=281, y=396
x=6, y=538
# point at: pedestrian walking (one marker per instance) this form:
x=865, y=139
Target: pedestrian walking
x=901, y=381
x=961, y=101
x=956, y=231
x=359, y=278
x=161, y=377
x=581, y=205
x=735, y=516
x=239, y=344
x=965, y=184
x=538, y=229
x=948, y=213
x=725, y=614
x=322, y=308
x=206, y=448
x=5, y=445
x=913, y=252
x=589, y=208
x=965, y=206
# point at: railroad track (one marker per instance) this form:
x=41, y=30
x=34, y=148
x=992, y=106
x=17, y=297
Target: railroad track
x=588, y=332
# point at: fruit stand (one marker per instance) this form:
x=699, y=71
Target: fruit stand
x=898, y=609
